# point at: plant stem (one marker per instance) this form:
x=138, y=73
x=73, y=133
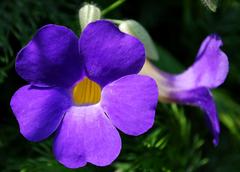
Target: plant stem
x=112, y=7
x=115, y=21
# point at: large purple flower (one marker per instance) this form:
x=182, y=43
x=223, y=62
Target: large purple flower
x=193, y=86
x=83, y=89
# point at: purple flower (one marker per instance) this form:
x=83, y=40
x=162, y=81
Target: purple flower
x=83, y=89
x=192, y=87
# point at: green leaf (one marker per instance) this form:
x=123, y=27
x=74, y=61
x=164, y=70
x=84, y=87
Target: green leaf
x=210, y=4
x=229, y=112
x=167, y=62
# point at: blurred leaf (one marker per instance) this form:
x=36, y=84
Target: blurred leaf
x=167, y=62
x=169, y=146
x=229, y=112
x=211, y=4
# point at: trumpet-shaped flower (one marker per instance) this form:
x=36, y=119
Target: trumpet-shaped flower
x=192, y=87
x=83, y=89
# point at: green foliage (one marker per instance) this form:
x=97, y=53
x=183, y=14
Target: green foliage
x=227, y=154
x=210, y=4
x=167, y=62
x=229, y=112
x=171, y=146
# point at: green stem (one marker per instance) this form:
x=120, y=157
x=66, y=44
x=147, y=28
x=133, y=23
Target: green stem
x=186, y=12
x=112, y=7
x=118, y=22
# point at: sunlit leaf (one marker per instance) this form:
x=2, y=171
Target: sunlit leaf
x=211, y=4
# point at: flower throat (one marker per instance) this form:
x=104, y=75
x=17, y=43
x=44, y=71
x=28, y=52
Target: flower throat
x=86, y=92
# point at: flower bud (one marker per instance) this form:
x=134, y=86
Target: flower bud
x=136, y=29
x=87, y=14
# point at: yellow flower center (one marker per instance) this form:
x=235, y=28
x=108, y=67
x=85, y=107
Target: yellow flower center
x=86, y=92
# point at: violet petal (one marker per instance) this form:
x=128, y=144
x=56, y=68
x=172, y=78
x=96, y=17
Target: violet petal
x=130, y=103
x=210, y=68
x=109, y=53
x=39, y=111
x=51, y=58
x=86, y=135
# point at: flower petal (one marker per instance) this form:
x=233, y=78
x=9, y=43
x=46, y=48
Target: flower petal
x=209, y=71
x=202, y=98
x=51, y=58
x=86, y=135
x=109, y=53
x=198, y=96
x=210, y=68
x=39, y=111
x=130, y=103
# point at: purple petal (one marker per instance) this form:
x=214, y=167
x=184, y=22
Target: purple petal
x=109, y=53
x=130, y=103
x=192, y=86
x=196, y=96
x=210, y=68
x=51, y=58
x=202, y=98
x=39, y=111
x=86, y=135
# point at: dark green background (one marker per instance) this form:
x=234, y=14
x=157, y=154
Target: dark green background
x=179, y=140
